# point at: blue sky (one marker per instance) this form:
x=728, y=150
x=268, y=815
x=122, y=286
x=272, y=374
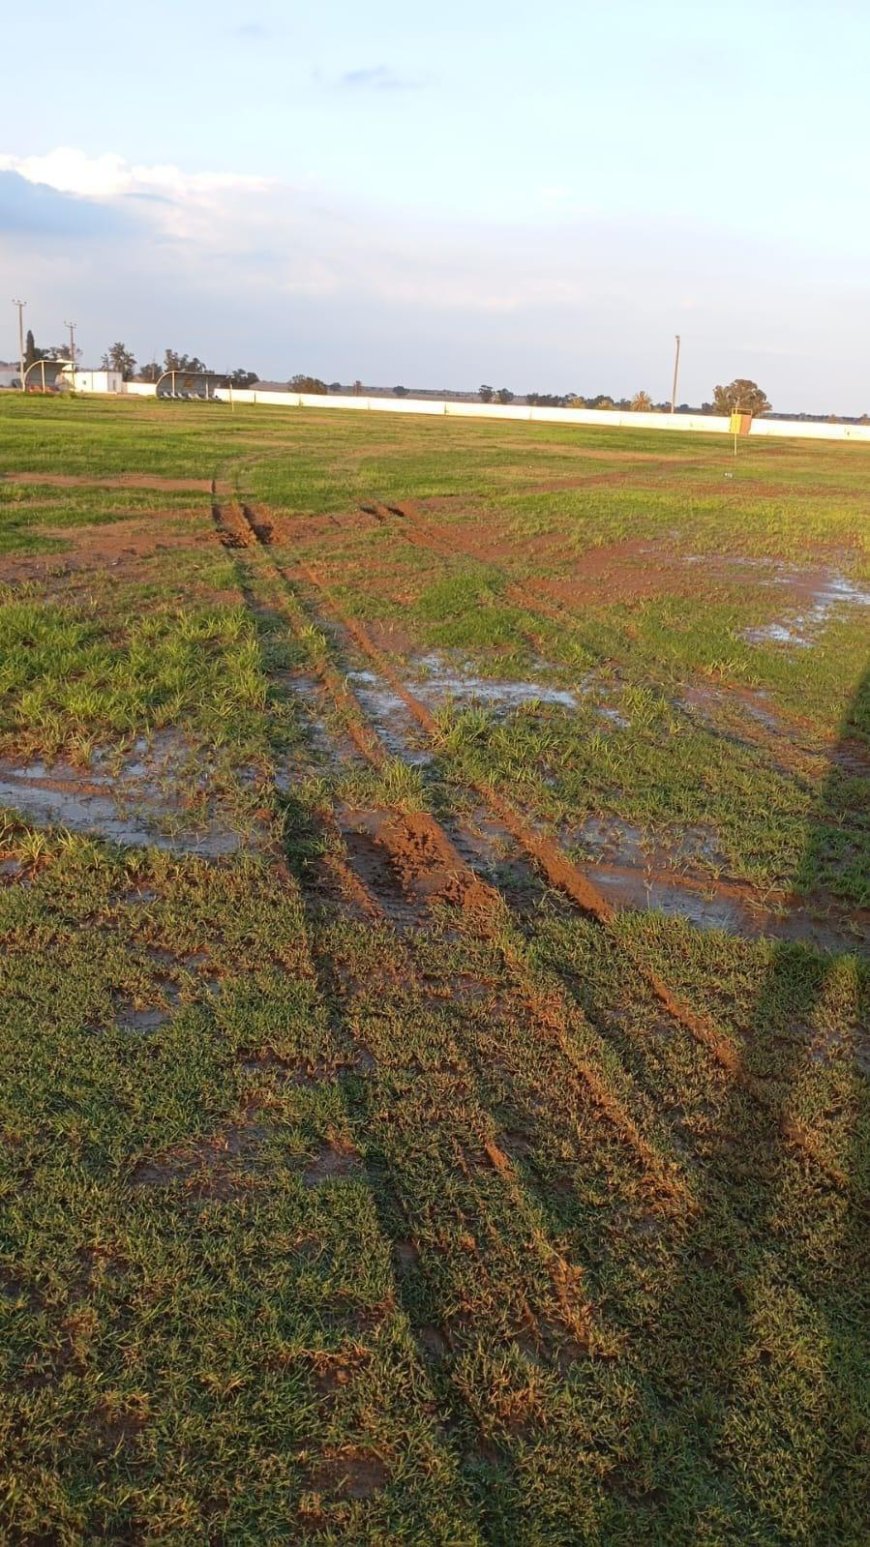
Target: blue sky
x=534, y=196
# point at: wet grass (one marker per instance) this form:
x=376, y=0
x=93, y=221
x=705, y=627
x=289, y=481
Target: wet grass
x=322, y=1222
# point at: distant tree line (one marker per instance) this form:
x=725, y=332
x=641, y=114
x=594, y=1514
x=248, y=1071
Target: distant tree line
x=739, y=396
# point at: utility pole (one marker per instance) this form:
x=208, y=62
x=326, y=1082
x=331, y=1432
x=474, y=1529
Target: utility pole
x=676, y=374
x=21, y=305
x=72, y=346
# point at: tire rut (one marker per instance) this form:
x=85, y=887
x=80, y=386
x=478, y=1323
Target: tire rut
x=565, y=876
x=462, y=885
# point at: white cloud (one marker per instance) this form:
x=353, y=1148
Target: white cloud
x=109, y=176
x=288, y=277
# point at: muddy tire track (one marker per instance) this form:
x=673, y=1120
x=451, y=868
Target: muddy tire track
x=565, y=876
x=457, y=883
x=425, y=863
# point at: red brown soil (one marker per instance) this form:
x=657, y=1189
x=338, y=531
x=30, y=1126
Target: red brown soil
x=629, y=572
x=392, y=638
x=354, y=1474
x=122, y=481
x=335, y=1159
x=96, y=548
x=411, y=856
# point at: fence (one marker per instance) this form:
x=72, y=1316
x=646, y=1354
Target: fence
x=703, y=424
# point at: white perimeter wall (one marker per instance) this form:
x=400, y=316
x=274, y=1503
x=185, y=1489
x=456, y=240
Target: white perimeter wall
x=704, y=424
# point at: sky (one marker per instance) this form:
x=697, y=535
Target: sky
x=533, y=196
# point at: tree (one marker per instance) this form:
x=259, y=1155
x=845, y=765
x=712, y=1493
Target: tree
x=335, y=386
x=172, y=361
x=308, y=384
x=641, y=403
x=504, y=395
x=120, y=358
x=242, y=379
x=400, y=392
x=150, y=372
x=740, y=397
x=485, y=394
x=31, y=353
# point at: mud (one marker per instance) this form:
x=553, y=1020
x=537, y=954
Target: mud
x=712, y=907
x=220, y=1167
x=613, y=839
x=91, y=551
x=141, y=1021
x=407, y=864
x=332, y=744
x=392, y=638
x=635, y=872
x=489, y=849
x=745, y=716
x=371, y=864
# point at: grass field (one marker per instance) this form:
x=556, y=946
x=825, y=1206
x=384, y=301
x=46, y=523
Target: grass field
x=435, y=1036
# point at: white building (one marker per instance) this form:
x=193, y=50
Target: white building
x=95, y=381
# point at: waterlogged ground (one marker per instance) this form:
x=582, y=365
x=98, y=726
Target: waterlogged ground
x=434, y=924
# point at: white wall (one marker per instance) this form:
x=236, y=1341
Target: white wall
x=96, y=381
x=704, y=424
x=440, y=409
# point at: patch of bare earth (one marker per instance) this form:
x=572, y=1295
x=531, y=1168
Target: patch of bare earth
x=220, y=1167
x=120, y=546
x=336, y=1160
x=392, y=637
x=408, y=864
x=353, y=1474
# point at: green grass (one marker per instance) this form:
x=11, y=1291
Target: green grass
x=429, y=1227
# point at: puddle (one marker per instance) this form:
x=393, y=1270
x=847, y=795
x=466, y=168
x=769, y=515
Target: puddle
x=715, y=908
x=396, y=725
x=824, y=592
x=615, y=716
x=635, y=871
x=442, y=681
x=139, y=806
x=613, y=839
